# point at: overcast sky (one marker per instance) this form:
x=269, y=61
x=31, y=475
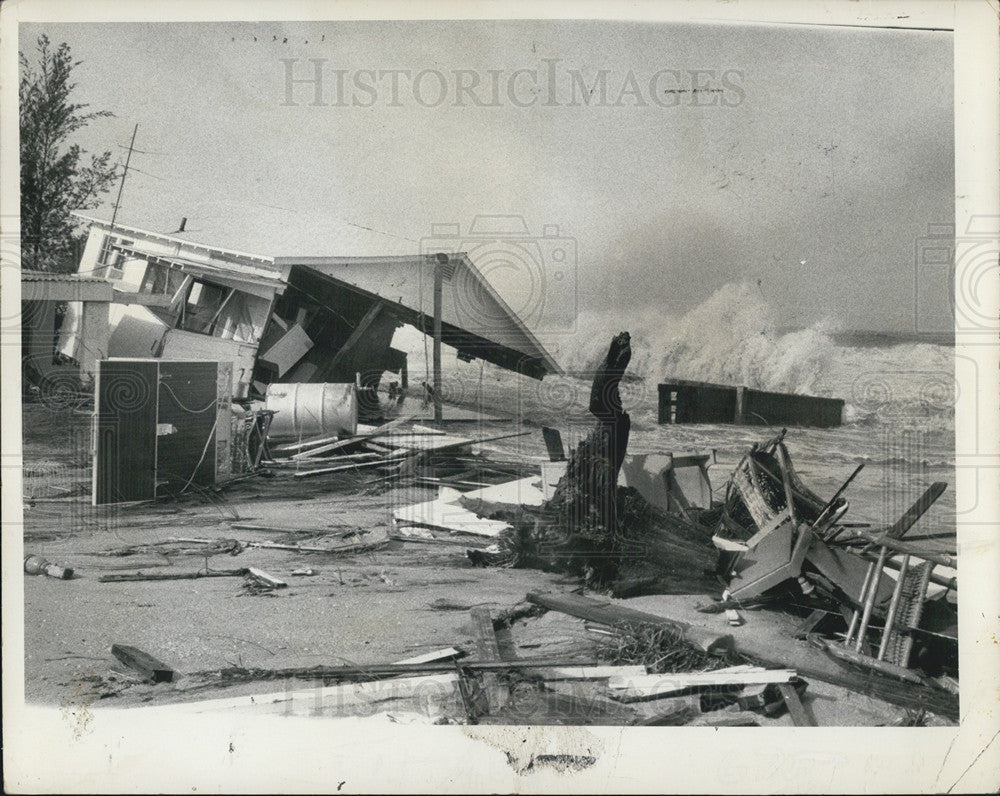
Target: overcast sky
x=812, y=159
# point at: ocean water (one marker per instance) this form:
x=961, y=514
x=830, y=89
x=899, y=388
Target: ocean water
x=899, y=397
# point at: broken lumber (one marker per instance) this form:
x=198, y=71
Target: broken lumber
x=391, y=669
x=250, y=526
x=594, y=672
x=487, y=649
x=144, y=663
x=266, y=579
x=123, y=577
x=431, y=657
x=800, y=718
x=374, y=434
x=859, y=659
x=681, y=710
x=653, y=686
x=911, y=548
x=610, y=614
x=378, y=540
x=338, y=469
x=338, y=443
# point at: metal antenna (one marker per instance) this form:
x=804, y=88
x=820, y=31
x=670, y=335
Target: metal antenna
x=121, y=185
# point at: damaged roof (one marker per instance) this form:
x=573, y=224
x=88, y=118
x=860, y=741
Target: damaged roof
x=475, y=318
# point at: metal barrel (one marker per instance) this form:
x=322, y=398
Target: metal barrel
x=312, y=409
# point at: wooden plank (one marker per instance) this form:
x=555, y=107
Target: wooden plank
x=610, y=614
x=795, y=707
x=431, y=657
x=680, y=711
x=144, y=663
x=652, y=686
x=265, y=578
x=338, y=469
x=917, y=510
x=127, y=577
x=857, y=658
x=369, y=541
x=312, y=529
x=394, y=669
x=593, y=672
x=378, y=432
x=487, y=649
x=810, y=623
x=899, y=546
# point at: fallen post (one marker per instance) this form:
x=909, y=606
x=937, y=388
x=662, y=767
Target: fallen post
x=124, y=577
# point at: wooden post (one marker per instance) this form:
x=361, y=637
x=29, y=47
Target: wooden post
x=442, y=259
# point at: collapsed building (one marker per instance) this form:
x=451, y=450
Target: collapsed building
x=287, y=317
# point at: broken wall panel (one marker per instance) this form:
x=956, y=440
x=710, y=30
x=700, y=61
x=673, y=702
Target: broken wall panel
x=683, y=401
x=757, y=407
x=696, y=402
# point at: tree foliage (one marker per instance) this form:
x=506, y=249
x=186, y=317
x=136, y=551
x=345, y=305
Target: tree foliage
x=57, y=176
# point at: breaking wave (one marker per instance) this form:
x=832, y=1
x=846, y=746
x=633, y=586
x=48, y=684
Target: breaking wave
x=735, y=337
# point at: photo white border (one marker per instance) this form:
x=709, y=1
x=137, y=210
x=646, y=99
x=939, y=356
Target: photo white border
x=156, y=750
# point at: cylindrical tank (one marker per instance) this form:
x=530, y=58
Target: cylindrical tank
x=310, y=410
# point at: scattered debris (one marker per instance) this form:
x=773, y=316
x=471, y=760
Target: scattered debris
x=36, y=565
x=126, y=577
x=144, y=663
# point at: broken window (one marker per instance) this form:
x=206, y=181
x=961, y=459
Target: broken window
x=201, y=306
x=161, y=279
x=111, y=257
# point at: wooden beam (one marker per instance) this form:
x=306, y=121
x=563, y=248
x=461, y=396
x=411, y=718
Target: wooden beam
x=652, y=686
x=917, y=510
x=144, y=663
x=266, y=579
x=375, y=434
x=438, y=289
x=143, y=299
x=353, y=339
x=488, y=650
x=126, y=577
x=370, y=671
x=800, y=718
